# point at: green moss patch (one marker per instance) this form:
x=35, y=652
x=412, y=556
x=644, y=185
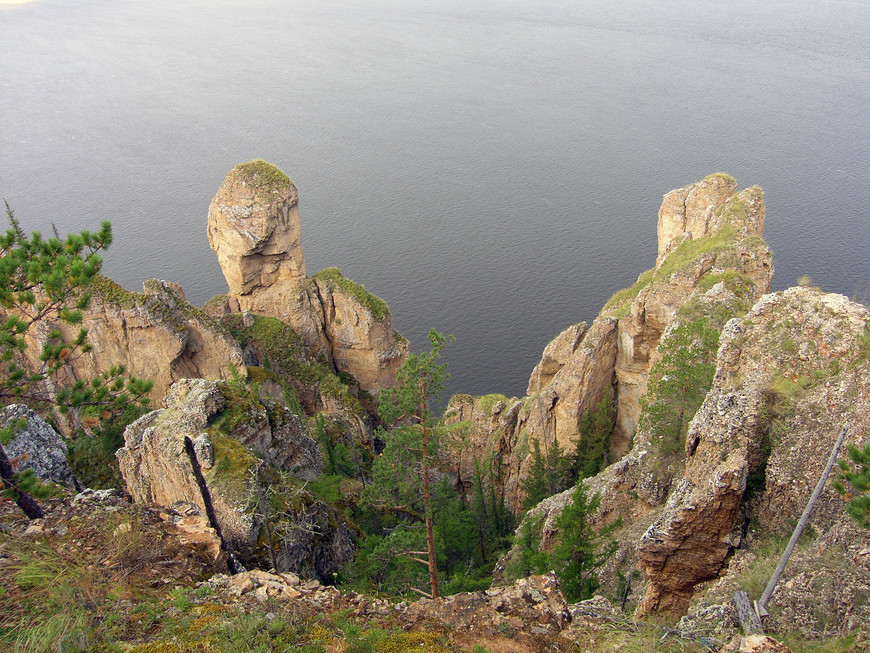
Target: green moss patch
x=283, y=353
x=722, y=245
x=261, y=174
x=233, y=465
x=335, y=280
x=721, y=175
x=488, y=402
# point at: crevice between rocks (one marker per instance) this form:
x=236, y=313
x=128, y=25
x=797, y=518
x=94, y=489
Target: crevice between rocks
x=328, y=319
x=232, y=564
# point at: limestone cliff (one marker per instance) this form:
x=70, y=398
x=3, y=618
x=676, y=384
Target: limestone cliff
x=254, y=227
x=708, y=234
x=156, y=335
x=788, y=376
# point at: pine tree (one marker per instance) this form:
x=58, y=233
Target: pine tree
x=419, y=382
x=579, y=550
x=595, y=427
x=47, y=280
x=858, y=480
x=536, y=483
x=679, y=382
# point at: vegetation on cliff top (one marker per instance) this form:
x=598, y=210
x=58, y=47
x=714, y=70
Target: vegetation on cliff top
x=262, y=174
x=335, y=280
x=44, y=281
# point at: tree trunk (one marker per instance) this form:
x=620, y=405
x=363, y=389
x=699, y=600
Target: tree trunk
x=771, y=585
x=430, y=534
x=24, y=500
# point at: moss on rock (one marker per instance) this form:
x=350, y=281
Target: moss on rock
x=335, y=280
x=261, y=174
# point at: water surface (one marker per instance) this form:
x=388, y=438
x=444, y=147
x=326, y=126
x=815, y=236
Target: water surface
x=490, y=169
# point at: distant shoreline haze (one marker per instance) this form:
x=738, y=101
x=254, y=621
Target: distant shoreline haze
x=491, y=171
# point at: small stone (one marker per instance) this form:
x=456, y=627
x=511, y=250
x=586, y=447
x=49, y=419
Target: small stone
x=34, y=529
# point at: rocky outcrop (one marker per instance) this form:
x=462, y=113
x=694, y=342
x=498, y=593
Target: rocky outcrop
x=35, y=446
x=710, y=251
x=155, y=335
x=834, y=563
x=729, y=244
x=556, y=355
x=796, y=358
x=253, y=226
x=788, y=375
x=215, y=446
x=535, y=603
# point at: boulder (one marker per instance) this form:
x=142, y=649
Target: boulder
x=218, y=450
x=36, y=446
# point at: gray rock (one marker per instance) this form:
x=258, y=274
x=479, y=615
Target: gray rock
x=36, y=446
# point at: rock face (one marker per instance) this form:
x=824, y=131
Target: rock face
x=253, y=226
x=707, y=233
x=156, y=335
x=729, y=243
x=797, y=356
x=789, y=374
x=36, y=446
x=235, y=461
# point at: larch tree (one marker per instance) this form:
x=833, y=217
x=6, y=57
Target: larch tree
x=419, y=384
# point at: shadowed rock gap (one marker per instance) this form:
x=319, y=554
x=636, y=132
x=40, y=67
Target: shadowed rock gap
x=209, y=507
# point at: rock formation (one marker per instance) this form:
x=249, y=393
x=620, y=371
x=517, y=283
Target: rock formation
x=253, y=226
x=798, y=356
x=708, y=233
x=156, y=335
x=218, y=448
x=789, y=374
x=535, y=602
x=36, y=446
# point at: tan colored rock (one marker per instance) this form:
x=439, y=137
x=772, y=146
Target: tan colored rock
x=800, y=346
x=656, y=305
x=691, y=211
x=155, y=335
x=166, y=450
x=253, y=227
x=755, y=644
x=532, y=604
x=194, y=529
x=556, y=355
x=359, y=328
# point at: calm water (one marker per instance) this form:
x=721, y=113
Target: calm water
x=492, y=169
